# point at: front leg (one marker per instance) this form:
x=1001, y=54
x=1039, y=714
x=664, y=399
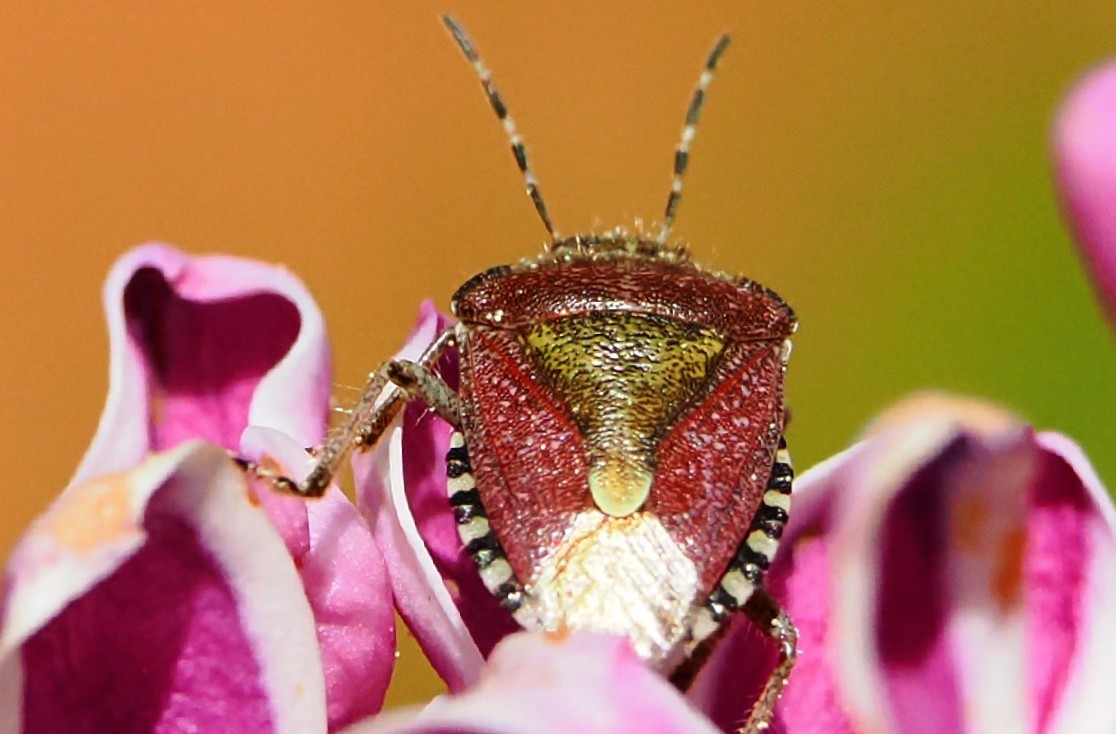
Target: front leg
x=415, y=380
x=371, y=416
x=770, y=618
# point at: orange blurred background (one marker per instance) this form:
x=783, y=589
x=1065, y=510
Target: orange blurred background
x=883, y=166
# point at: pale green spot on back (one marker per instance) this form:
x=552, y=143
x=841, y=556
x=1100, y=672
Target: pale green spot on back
x=624, y=378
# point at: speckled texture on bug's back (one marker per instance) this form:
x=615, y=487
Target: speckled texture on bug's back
x=622, y=416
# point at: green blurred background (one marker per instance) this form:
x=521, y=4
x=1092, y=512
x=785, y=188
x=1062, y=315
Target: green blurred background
x=883, y=166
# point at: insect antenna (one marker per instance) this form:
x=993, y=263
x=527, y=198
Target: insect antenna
x=466, y=45
x=682, y=152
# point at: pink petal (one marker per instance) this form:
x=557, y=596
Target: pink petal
x=201, y=348
x=1085, y=152
x=1071, y=593
x=538, y=683
x=425, y=442
x=344, y=576
x=952, y=586
x=951, y=573
x=158, y=600
x=401, y=490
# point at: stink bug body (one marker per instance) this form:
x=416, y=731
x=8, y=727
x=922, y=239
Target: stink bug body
x=625, y=407
x=618, y=462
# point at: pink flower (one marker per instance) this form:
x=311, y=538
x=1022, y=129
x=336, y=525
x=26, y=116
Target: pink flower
x=1085, y=153
x=163, y=593
x=953, y=571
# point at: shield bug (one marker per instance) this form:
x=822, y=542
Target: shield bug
x=618, y=461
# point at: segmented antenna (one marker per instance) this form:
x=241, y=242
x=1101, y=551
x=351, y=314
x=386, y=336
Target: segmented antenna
x=682, y=152
x=466, y=45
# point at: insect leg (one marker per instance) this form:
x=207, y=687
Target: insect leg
x=418, y=381
x=770, y=618
x=371, y=416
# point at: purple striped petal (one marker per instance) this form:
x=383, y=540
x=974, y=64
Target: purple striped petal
x=201, y=348
x=401, y=488
x=962, y=573
x=538, y=683
x=425, y=442
x=158, y=600
x=1085, y=155
x=1070, y=582
x=952, y=573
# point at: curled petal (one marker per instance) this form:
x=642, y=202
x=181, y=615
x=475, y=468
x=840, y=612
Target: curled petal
x=953, y=572
x=158, y=600
x=961, y=562
x=928, y=552
x=537, y=683
x=425, y=440
x=401, y=490
x=1071, y=569
x=1085, y=153
x=344, y=576
x=201, y=348
x=966, y=579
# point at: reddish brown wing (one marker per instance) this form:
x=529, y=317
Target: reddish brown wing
x=714, y=463
x=527, y=455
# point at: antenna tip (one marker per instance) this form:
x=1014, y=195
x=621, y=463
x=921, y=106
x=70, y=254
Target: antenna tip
x=718, y=49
